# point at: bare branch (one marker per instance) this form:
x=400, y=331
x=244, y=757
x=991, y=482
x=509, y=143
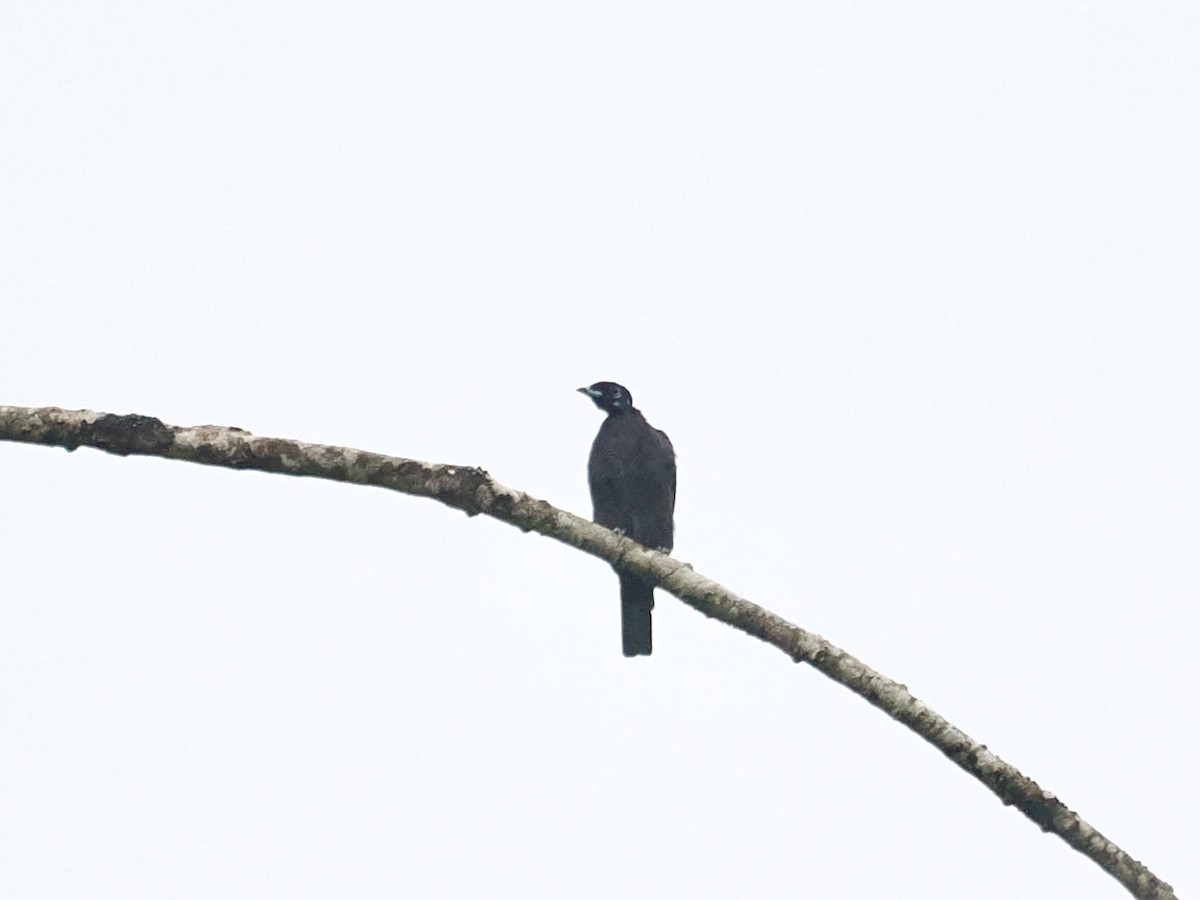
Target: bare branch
x=473, y=491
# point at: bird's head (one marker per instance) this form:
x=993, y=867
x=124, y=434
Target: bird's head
x=610, y=397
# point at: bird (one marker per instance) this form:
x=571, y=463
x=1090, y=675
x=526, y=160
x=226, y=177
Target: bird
x=631, y=476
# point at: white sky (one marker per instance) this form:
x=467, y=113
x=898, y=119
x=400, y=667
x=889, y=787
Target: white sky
x=913, y=288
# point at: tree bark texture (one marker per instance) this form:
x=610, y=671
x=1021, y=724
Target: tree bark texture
x=473, y=491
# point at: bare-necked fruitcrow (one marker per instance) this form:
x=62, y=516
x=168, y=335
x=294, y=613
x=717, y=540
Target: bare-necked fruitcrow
x=631, y=473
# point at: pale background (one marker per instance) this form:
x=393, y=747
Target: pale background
x=913, y=289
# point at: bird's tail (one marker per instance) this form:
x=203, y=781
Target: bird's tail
x=637, y=599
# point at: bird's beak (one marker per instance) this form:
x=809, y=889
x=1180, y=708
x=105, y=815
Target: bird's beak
x=589, y=392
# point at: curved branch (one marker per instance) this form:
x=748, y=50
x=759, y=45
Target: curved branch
x=474, y=492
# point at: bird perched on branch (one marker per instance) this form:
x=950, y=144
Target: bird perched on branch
x=631, y=473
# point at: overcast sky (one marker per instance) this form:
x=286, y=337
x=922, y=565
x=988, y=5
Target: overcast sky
x=913, y=289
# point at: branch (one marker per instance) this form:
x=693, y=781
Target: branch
x=474, y=492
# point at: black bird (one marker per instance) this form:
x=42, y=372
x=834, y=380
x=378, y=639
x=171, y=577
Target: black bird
x=631, y=473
